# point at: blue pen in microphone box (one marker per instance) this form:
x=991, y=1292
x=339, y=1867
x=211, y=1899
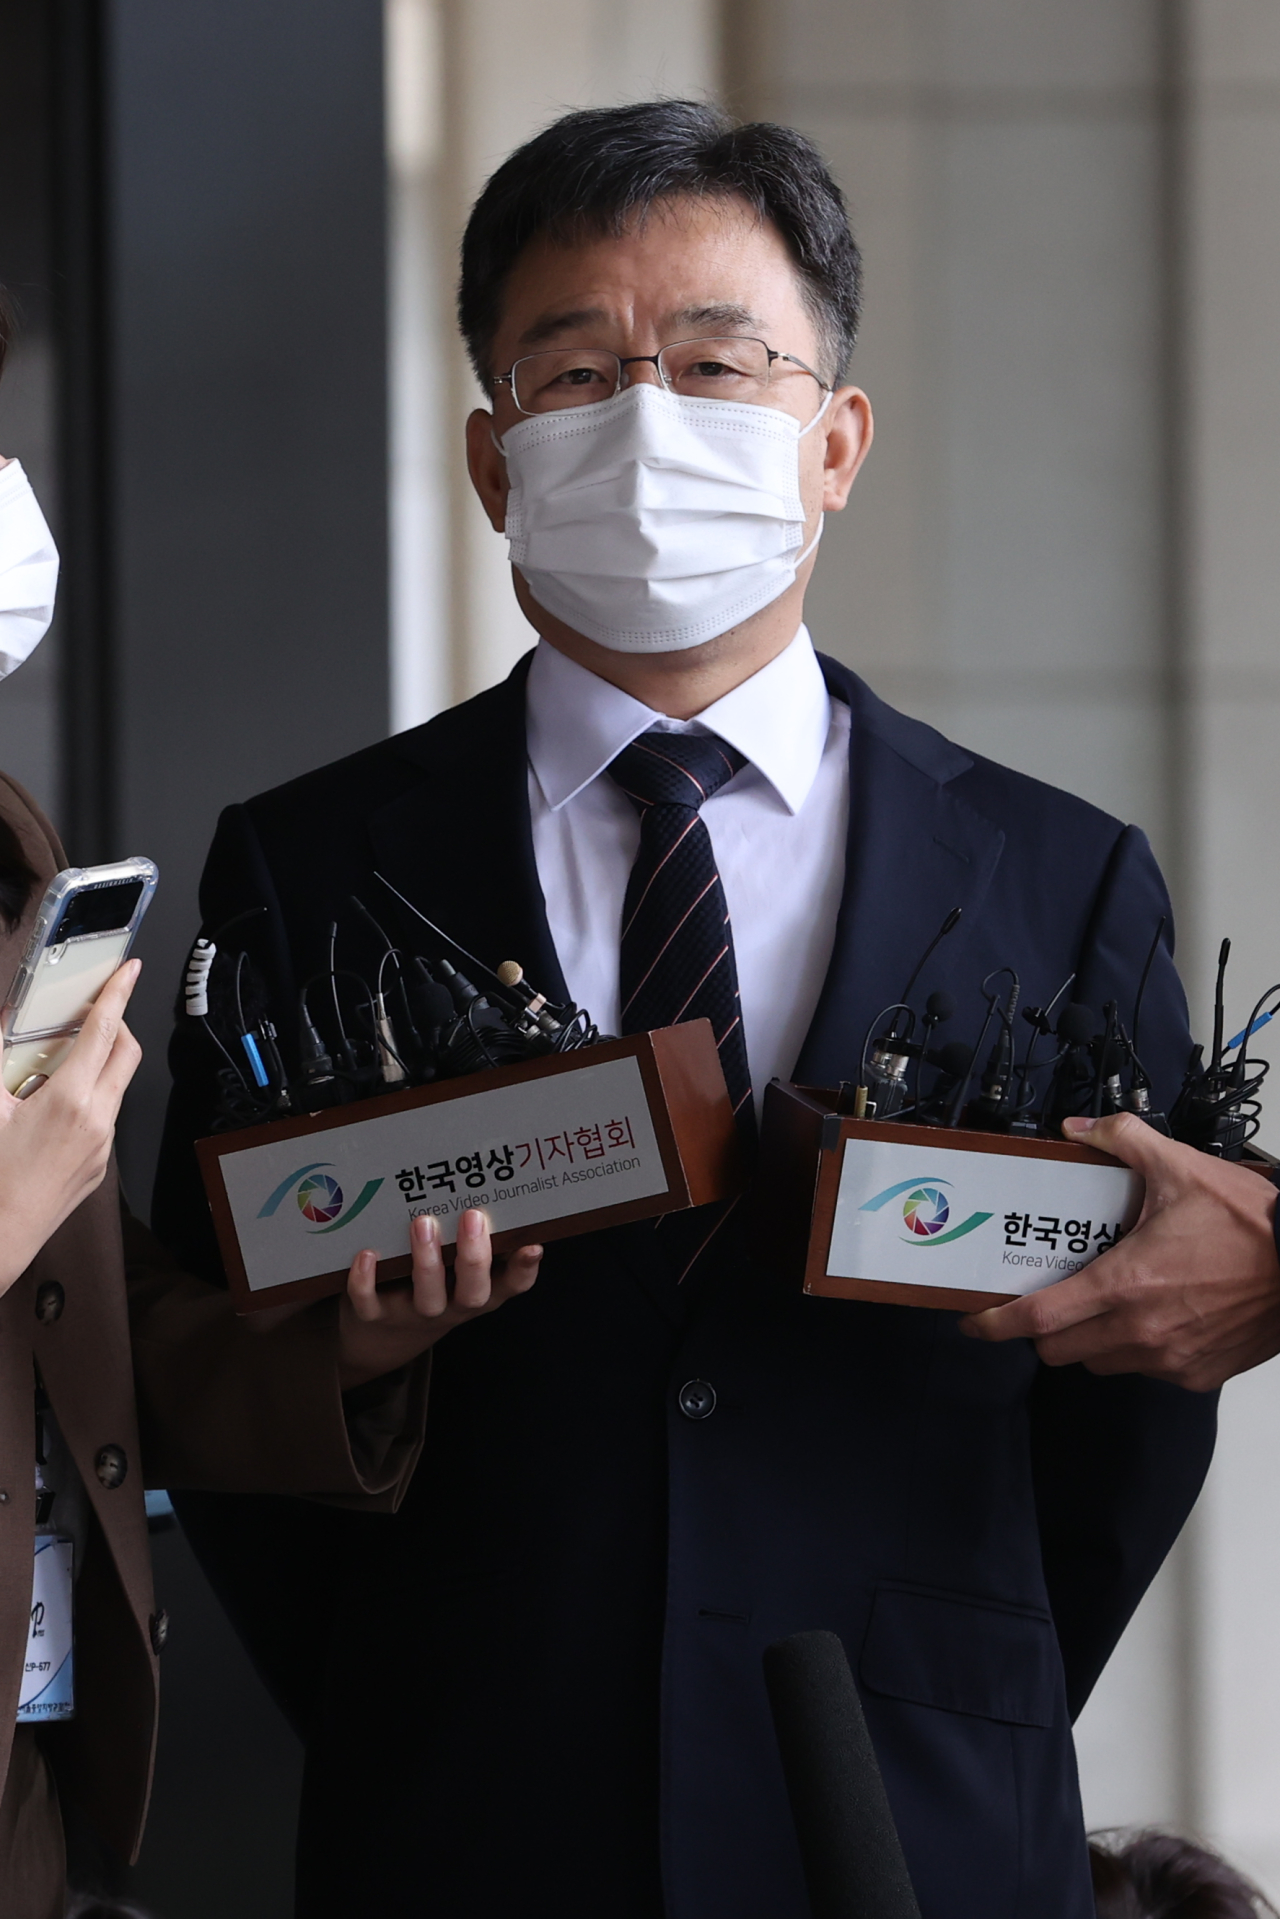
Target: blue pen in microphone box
x=925, y=1216
x=619, y=1130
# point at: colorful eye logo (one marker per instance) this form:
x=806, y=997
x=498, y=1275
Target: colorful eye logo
x=925, y=1211
x=319, y=1198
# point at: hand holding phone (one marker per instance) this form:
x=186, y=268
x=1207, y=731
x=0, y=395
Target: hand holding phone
x=82, y=932
x=55, y=1146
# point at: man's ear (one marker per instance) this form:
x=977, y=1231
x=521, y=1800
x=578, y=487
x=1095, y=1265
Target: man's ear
x=487, y=468
x=848, y=442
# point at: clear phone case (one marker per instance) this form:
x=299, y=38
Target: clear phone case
x=82, y=932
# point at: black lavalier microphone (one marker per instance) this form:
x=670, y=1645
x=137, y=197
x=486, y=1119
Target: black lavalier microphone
x=938, y=1009
x=882, y=1081
x=1078, y=1027
x=849, y=1845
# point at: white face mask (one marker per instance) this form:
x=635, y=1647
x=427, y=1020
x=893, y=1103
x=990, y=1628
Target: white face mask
x=650, y=522
x=28, y=569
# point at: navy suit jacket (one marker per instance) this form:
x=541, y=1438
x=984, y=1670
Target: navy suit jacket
x=536, y=1689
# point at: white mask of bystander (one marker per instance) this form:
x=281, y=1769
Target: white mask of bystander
x=28, y=569
x=650, y=522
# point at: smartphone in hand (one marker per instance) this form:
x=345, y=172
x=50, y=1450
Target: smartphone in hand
x=82, y=933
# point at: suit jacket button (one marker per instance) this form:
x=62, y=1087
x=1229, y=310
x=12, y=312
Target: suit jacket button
x=696, y=1399
x=50, y=1300
x=159, y=1626
x=111, y=1465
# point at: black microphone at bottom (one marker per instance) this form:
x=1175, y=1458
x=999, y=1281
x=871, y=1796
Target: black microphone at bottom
x=849, y=1845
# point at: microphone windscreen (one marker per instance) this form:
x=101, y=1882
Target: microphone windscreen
x=849, y=1845
x=1078, y=1024
x=432, y=1002
x=954, y=1059
x=940, y=1007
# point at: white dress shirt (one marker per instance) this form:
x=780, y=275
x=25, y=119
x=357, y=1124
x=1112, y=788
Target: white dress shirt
x=778, y=830
x=28, y=569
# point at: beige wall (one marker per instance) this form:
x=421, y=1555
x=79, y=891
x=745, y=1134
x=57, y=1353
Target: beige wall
x=1064, y=552
x=1232, y=559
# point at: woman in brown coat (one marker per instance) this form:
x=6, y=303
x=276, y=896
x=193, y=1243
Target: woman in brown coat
x=116, y=1371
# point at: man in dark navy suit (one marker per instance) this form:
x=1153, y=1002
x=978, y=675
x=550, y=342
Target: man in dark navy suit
x=536, y=1688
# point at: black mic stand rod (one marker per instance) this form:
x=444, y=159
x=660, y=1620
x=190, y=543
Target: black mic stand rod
x=961, y=1094
x=849, y=1845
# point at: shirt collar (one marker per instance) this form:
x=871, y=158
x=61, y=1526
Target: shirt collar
x=578, y=723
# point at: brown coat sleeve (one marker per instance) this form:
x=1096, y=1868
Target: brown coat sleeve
x=223, y=1407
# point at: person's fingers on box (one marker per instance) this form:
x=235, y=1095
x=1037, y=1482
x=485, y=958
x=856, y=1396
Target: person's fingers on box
x=1097, y=1345
x=1165, y=1164
x=430, y=1280
x=472, y=1267
x=1039, y=1315
x=362, y=1286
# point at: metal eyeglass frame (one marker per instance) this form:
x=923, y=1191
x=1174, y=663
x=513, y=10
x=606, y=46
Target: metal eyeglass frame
x=508, y=379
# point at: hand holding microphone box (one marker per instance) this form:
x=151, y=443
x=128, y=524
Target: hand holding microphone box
x=411, y=1095
x=941, y=1177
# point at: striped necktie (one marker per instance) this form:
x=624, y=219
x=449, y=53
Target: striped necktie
x=677, y=960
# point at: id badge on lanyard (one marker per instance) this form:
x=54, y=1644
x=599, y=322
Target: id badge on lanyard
x=48, y=1671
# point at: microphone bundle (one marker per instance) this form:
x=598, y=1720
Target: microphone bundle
x=1073, y=1060
x=356, y=1034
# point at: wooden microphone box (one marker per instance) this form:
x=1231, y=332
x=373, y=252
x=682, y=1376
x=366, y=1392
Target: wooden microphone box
x=568, y=1143
x=927, y=1216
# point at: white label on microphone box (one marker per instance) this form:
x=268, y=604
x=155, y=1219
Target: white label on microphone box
x=984, y=1222
x=566, y=1143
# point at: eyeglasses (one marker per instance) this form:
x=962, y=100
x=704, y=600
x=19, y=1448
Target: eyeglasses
x=730, y=368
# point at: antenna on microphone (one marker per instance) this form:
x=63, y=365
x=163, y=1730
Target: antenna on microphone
x=439, y=931
x=1215, y=1058
x=948, y=925
x=1161, y=923
x=1139, y=1078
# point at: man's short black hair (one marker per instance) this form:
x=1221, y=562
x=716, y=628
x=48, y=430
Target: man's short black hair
x=595, y=171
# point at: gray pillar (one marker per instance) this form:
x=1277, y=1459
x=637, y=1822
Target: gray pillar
x=246, y=285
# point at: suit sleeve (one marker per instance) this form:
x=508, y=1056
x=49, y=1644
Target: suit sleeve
x=1118, y=1461
x=225, y=1407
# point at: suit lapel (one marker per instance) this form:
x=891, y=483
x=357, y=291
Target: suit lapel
x=915, y=849
x=478, y=881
